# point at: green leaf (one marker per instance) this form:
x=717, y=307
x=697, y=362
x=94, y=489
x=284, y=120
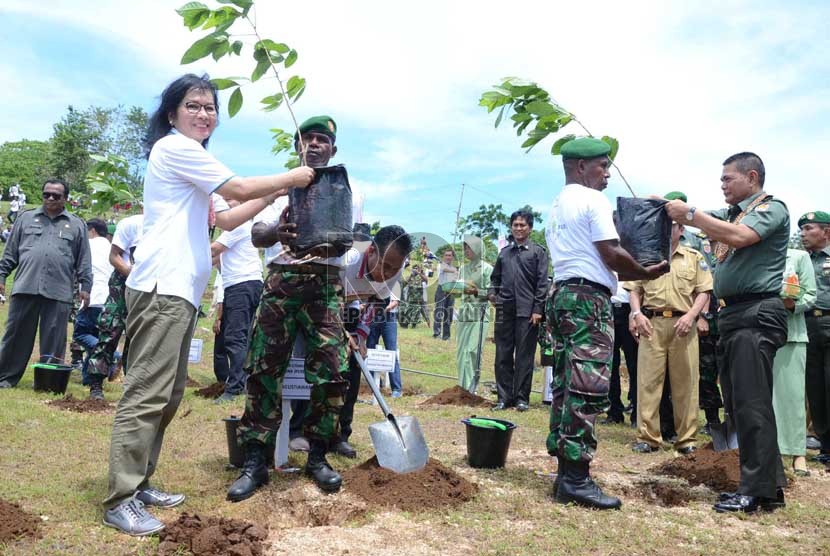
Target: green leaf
x=501, y=113
x=221, y=49
x=534, y=137
x=193, y=14
x=272, y=102
x=235, y=103
x=614, y=144
x=236, y=47
x=222, y=83
x=294, y=86
x=203, y=47
x=222, y=18
x=291, y=58
x=260, y=70
x=557, y=146
x=540, y=108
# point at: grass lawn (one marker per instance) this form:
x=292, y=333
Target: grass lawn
x=54, y=464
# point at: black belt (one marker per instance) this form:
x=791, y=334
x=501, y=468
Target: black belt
x=746, y=297
x=649, y=313
x=818, y=313
x=624, y=306
x=584, y=282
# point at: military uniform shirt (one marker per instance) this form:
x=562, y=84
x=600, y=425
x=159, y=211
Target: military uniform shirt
x=821, y=264
x=700, y=243
x=50, y=255
x=758, y=268
x=677, y=289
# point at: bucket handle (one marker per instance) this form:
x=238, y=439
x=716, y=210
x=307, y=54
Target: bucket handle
x=50, y=357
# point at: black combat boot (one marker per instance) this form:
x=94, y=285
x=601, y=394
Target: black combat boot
x=577, y=486
x=327, y=479
x=254, y=472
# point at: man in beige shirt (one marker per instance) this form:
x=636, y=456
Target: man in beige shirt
x=663, y=319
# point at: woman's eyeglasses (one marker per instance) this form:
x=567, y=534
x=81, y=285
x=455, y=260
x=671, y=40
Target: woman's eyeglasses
x=195, y=108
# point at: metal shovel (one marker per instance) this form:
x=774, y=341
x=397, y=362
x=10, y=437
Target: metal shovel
x=724, y=436
x=398, y=441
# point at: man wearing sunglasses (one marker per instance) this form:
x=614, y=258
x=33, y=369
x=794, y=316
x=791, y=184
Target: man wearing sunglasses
x=49, y=248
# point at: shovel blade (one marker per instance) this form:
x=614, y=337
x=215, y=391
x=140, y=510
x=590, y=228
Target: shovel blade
x=724, y=437
x=399, y=444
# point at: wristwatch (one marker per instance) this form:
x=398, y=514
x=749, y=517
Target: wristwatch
x=690, y=216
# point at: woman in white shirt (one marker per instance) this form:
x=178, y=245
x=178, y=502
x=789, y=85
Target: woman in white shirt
x=164, y=288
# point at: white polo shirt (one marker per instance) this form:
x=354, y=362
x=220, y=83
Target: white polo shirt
x=579, y=217
x=174, y=254
x=241, y=262
x=271, y=215
x=99, y=251
x=127, y=234
x=358, y=286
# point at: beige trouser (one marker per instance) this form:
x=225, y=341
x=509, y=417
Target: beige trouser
x=663, y=349
x=160, y=328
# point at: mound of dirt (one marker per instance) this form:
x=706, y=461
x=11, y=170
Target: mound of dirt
x=213, y=391
x=191, y=383
x=211, y=536
x=457, y=396
x=720, y=471
x=365, y=390
x=69, y=403
x=16, y=524
x=434, y=486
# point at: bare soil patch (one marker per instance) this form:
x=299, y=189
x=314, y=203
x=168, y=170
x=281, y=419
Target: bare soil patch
x=16, y=523
x=433, y=487
x=365, y=390
x=457, y=396
x=69, y=403
x=211, y=392
x=211, y=536
x=306, y=506
x=720, y=471
x=191, y=383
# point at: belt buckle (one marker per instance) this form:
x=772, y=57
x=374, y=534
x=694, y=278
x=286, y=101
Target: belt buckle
x=667, y=314
x=817, y=312
x=618, y=305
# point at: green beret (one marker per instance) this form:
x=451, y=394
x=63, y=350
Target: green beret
x=676, y=195
x=585, y=147
x=111, y=229
x=322, y=124
x=817, y=217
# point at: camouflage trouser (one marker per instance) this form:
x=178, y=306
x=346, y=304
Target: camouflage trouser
x=76, y=351
x=111, y=324
x=413, y=308
x=582, y=327
x=293, y=302
x=708, y=385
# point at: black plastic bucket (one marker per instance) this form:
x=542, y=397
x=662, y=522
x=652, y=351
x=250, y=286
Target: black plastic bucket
x=236, y=457
x=51, y=377
x=488, y=447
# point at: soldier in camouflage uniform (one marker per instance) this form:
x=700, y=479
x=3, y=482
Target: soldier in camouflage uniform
x=585, y=252
x=414, y=307
x=297, y=298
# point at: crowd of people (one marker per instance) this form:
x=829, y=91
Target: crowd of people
x=733, y=306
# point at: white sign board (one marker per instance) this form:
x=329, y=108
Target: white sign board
x=294, y=385
x=195, y=353
x=380, y=360
x=547, y=391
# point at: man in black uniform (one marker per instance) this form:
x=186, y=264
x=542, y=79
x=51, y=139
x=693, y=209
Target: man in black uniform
x=752, y=236
x=518, y=287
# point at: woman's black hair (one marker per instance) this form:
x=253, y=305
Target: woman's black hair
x=159, y=124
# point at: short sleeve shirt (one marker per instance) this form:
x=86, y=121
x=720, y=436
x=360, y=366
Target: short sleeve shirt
x=758, y=268
x=821, y=265
x=174, y=254
x=241, y=262
x=127, y=234
x=677, y=289
x=271, y=215
x=579, y=217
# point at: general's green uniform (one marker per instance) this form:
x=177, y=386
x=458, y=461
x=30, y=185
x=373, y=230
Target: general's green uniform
x=788, y=370
x=473, y=314
x=753, y=325
x=818, y=330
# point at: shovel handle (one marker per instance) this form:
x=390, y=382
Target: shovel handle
x=375, y=390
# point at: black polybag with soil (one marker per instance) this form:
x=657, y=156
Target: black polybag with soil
x=645, y=229
x=323, y=214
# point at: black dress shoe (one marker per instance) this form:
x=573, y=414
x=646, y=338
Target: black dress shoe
x=750, y=504
x=326, y=478
x=686, y=450
x=344, y=449
x=644, y=448
x=501, y=406
x=822, y=458
x=522, y=406
x=613, y=420
x=254, y=473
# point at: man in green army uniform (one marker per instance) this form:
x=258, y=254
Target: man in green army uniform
x=585, y=251
x=707, y=330
x=414, y=308
x=752, y=236
x=297, y=298
x=473, y=312
x=815, y=236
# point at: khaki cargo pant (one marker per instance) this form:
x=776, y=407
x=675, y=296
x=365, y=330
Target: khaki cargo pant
x=160, y=328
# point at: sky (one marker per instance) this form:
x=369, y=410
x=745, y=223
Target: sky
x=681, y=85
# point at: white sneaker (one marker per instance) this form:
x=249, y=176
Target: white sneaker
x=130, y=517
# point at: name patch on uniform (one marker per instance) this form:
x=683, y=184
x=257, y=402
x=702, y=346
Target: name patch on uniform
x=763, y=207
x=703, y=265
